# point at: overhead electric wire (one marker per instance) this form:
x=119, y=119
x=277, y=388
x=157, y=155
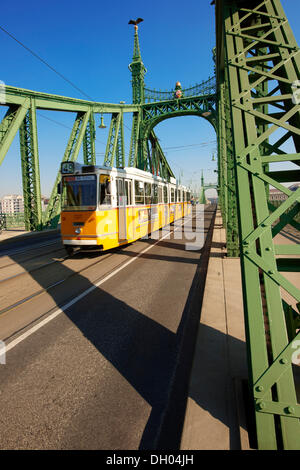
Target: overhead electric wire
x=64, y=125
x=202, y=144
x=47, y=65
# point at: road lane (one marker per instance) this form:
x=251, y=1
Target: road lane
x=98, y=376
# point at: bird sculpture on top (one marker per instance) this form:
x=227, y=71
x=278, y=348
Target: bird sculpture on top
x=136, y=22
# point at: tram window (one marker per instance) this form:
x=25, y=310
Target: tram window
x=79, y=192
x=128, y=192
x=154, y=194
x=165, y=194
x=105, y=190
x=120, y=191
x=176, y=194
x=188, y=196
x=139, y=192
x=160, y=194
x=179, y=195
x=147, y=193
x=172, y=195
x=184, y=196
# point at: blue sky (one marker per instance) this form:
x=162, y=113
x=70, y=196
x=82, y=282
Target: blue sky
x=91, y=44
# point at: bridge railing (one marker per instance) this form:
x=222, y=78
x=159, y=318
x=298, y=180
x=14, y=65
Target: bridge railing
x=207, y=87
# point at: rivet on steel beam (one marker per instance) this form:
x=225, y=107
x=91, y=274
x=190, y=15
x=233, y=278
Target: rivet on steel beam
x=290, y=410
x=260, y=388
x=283, y=360
x=261, y=405
x=270, y=272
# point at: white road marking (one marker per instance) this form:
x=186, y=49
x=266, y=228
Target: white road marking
x=69, y=304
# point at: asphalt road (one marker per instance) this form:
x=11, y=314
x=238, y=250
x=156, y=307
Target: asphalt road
x=102, y=360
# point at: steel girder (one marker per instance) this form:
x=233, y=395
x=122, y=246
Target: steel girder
x=89, y=155
x=30, y=170
x=115, y=142
x=258, y=60
x=152, y=114
x=21, y=116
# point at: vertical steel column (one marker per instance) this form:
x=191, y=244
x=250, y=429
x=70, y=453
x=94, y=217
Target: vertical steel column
x=30, y=170
x=133, y=150
x=232, y=236
x=89, y=155
x=221, y=149
x=120, y=150
x=262, y=60
x=112, y=140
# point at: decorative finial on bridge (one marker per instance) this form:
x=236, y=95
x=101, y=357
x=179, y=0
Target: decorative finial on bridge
x=178, y=91
x=136, y=22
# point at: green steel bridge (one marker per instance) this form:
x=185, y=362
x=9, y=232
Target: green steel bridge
x=254, y=106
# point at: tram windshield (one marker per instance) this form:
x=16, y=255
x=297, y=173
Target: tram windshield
x=79, y=193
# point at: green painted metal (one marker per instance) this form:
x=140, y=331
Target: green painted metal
x=254, y=107
x=133, y=151
x=204, y=187
x=89, y=154
x=207, y=87
x=145, y=152
x=258, y=60
x=30, y=170
x=115, y=142
x=10, y=124
x=79, y=131
x=138, y=71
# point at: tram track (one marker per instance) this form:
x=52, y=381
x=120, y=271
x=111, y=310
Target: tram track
x=67, y=302
x=30, y=258
x=52, y=285
x=56, y=288
x=23, y=273
x=26, y=248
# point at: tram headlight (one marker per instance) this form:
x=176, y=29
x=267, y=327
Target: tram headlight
x=77, y=230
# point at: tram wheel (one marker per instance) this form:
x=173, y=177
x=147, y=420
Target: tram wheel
x=69, y=249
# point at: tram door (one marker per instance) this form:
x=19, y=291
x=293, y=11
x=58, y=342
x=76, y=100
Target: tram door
x=130, y=217
x=121, y=198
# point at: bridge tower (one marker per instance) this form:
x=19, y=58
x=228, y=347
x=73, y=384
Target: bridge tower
x=137, y=68
x=202, y=198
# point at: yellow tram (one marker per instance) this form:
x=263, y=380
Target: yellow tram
x=104, y=207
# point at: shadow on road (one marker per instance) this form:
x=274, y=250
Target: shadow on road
x=153, y=359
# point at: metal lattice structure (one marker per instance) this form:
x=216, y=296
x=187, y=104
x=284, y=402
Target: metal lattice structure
x=258, y=61
x=145, y=151
x=253, y=104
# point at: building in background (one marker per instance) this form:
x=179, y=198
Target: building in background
x=12, y=204
x=276, y=195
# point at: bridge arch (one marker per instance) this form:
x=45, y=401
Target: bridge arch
x=153, y=114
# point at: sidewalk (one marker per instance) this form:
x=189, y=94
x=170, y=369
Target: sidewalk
x=214, y=414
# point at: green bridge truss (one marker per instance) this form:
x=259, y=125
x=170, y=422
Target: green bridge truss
x=253, y=105
x=258, y=61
